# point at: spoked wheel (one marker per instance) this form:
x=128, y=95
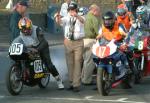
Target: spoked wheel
x=128, y=82
x=44, y=81
x=139, y=75
x=129, y=79
x=13, y=80
x=103, y=82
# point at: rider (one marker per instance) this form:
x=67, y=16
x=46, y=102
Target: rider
x=143, y=17
x=141, y=25
x=32, y=37
x=124, y=17
x=111, y=29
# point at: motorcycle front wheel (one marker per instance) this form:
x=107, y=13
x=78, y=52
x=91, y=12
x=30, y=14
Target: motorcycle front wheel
x=103, y=82
x=13, y=80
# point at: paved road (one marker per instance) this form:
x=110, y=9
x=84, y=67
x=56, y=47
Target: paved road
x=139, y=94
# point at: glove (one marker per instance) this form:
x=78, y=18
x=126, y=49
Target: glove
x=33, y=50
x=134, y=25
x=123, y=47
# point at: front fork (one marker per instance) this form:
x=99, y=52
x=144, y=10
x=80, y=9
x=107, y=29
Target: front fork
x=109, y=70
x=142, y=62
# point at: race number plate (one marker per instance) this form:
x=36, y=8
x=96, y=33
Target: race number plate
x=38, y=66
x=139, y=45
x=16, y=49
x=104, y=50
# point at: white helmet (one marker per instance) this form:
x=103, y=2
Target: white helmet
x=141, y=10
x=82, y=11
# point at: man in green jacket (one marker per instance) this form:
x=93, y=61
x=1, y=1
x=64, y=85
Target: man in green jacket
x=91, y=31
x=19, y=12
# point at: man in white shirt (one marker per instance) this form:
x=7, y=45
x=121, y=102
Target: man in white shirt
x=64, y=8
x=73, y=25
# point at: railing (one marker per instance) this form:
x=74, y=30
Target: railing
x=42, y=5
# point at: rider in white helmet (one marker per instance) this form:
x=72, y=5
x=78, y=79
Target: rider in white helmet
x=143, y=17
x=141, y=27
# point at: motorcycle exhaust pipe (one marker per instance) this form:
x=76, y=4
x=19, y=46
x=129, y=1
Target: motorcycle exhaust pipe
x=114, y=85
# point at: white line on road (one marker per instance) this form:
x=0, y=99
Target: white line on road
x=88, y=97
x=2, y=97
x=121, y=100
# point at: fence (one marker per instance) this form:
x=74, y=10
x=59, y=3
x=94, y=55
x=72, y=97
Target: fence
x=42, y=5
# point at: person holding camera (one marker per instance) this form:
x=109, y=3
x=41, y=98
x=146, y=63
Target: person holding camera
x=73, y=25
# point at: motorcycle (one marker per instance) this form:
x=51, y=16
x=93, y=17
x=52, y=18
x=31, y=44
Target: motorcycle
x=141, y=56
x=27, y=69
x=111, y=71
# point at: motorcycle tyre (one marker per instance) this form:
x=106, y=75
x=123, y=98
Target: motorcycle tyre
x=101, y=83
x=128, y=81
x=9, y=84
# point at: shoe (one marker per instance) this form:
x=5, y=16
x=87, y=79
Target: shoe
x=95, y=88
x=59, y=83
x=70, y=88
x=76, y=89
x=89, y=84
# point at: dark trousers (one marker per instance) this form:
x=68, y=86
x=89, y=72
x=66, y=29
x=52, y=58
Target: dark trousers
x=45, y=55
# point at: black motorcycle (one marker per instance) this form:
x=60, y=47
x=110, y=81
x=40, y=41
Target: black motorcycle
x=27, y=69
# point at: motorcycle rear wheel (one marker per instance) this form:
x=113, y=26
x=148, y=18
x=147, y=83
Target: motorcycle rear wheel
x=139, y=75
x=43, y=83
x=13, y=80
x=128, y=81
x=103, y=83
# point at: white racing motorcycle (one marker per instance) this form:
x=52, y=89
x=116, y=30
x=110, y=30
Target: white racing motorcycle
x=111, y=70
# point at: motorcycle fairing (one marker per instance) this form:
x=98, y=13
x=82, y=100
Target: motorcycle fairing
x=103, y=51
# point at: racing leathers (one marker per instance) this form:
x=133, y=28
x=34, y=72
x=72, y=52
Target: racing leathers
x=37, y=41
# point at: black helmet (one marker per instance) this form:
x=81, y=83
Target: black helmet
x=73, y=6
x=109, y=19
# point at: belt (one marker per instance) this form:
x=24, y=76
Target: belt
x=128, y=0
x=74, y=39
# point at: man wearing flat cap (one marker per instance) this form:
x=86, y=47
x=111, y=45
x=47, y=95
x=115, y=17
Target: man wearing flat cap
x=19, y=12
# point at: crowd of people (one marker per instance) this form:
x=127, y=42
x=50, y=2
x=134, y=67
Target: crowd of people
x=81, y=28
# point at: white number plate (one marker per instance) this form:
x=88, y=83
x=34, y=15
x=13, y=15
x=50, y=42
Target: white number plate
x=16, y=49
x=140, y=45
x=38, y=66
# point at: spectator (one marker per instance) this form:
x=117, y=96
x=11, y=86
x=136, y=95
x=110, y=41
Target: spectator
x=129, y=4
x=91, y=31
x=74, y=32
x=9, y=5
x=19, y=12
x=64, y=8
